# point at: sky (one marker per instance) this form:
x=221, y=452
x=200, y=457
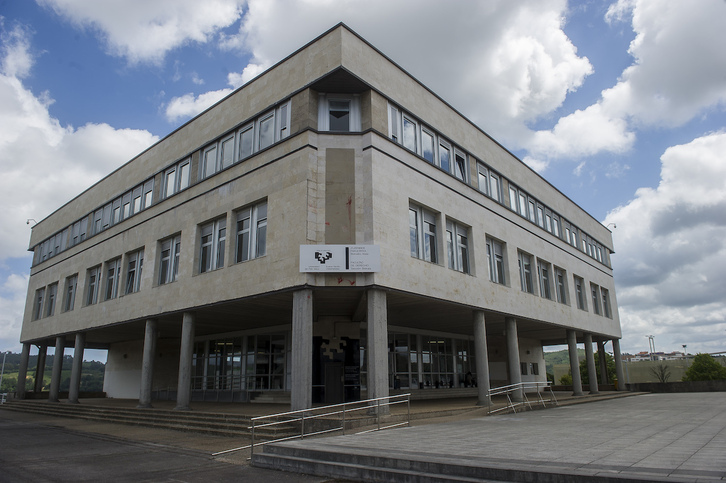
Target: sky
x=621, y=105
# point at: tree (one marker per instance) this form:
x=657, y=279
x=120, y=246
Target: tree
x=609, y=363
x=705, y=368
x=662, y=372
x=566, y=380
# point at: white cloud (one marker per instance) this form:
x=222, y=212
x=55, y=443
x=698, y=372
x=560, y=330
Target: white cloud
x=189, y=106
x=144, y=31
x=44, y=164
x=670, y=260
x=12, y=304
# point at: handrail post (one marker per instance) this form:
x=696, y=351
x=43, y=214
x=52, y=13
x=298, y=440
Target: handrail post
x=344, y=418
x=378, y=413
x=302, y=426
x=252, y=448
x=408, y=407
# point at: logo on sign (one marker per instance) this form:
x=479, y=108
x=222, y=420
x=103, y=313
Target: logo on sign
x=323, y=257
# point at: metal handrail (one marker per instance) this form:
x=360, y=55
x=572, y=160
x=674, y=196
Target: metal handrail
x=302, y=415
x=508, y=390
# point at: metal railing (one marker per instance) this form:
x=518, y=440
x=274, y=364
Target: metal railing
x=376, y=407
x=509, y=390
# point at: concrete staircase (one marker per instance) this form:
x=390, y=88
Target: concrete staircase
x=200, y=422
x=270, y=397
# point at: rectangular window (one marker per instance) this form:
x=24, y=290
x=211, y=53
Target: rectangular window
x=595, y=291
x=494, y=184
x=69, y=299
x=176, y=178
x=460, y=165
x=525, y=272
x=38, y=304
x=169, y=260
x=113, y=276
x=209, y=161
x=532, y=215
x=409, y=134
x=170, y=182
x=556, y=226
x=116, y=213
x=393, y=121
x=548, y=223
x=534, y=368
x=544, y=271
x=523, y=204
x=606, y=303
x=50, y=299
x=251, y=232
x=339, y=115
x=148, y=194
x=94, y=275
x=422, y=227
x=513, y=205
x=561, y=285
x=226, y=155
x=212, y=242
x=482, y=178
x=495, y=257
x=246, y=141
x=523, y=368
x=580, y=293
x=133, y=271
x=444, y=156
x=126, y=205
x=427, y=146
x=458, y=246
x=136, y=200
x=540, y=216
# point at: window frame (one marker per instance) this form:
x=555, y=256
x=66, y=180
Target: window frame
x=256, y=232
x=544, y=272
x=133, y=275
x=458, y=252
x=580, y=293
x=112, y=278
x=212, y=252
x=595, y=294
x=169, y=265
x=525, y=272
x=38, y=303
x=69, y=297
x=93, y=282
x=560, y=280
x=424, y=237
x=496, y=261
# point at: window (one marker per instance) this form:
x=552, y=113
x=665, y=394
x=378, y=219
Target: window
x=209, y=161
x=606, y=303
x=113, y=276
x=532, y=216
x=176, y=178
x=94, y=274
x=69, y=299
x=211, y=252
x=135, y=263
x=246, y=141
x=595, y=291
x=523, y=368
x=422, y=229
x=560, y=281
x=339, y=113
x=226, y=155
x=482, y=178
x=534, y=368
x=458, y=246
x=556, y=226
x=495, y=257
x=252, y=232
x=427, y=146
x=50, y=300
x=38, y=304
x=580, y=293
x=444, y=156
x=283, y=120
x=169, y=260
x=540, y=216
x=460, y=165
x=494, y=187
x=548, y=222
x=393, y=121
x=544, y=272
x=148, y=193
x=409, y=134
x=513, y=205
x=525, y=272
x=266, y=130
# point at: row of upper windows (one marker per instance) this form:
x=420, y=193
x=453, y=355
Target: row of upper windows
x=552, y=281
x=251, y=137
x=104, y=281
x=412, y=134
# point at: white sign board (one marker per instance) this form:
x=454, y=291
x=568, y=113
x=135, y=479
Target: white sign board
x=340, y=258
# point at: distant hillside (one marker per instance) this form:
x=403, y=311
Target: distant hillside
x=560, y=357
x=91, y=374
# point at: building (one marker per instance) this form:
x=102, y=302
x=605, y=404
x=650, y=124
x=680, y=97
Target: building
x=332, y=230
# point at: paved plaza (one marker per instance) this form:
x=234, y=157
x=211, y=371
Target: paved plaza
x=653, y=437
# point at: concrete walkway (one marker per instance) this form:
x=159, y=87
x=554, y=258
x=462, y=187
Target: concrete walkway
x=653, y=437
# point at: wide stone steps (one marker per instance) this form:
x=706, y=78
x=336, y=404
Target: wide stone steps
x=201, y=422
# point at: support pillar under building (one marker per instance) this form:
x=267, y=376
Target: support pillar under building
x=618, y=365
x=574, y=363
x=40, y=367
x=591, y=369
x=481, y=359
x=147, y=364
x=377, y=348
x=515, y=374
x=186, y=353
x=77, y=368
x=55, y=377
x=301, y=371
x=23, y=371
x=603, y=362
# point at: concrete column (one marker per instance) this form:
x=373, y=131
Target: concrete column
x=377, y=349
x=77, y=368
x=57, y=369
x=419, y=356
x=603, y=362
x=183, y=388
x=147, y=364
x=23, y=371
x=515, y=374
x=454, y=358
x=574, y=363
x=482, y=358
x=301, y=371
x=40, y=367
x=591, y=370
x=618, y=364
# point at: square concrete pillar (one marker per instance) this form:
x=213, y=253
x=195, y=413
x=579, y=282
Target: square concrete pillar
x=40, y=367
x=301, y=371
x=603, y=362
x=591, y=370
x=377, y=349
x=147, y=364
x=23, y=371
x=515, y=376
x=186, y=353
x=55, y=378
x=77, y=368
x=482, y=358
x=574, y=363
x=618, y=365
